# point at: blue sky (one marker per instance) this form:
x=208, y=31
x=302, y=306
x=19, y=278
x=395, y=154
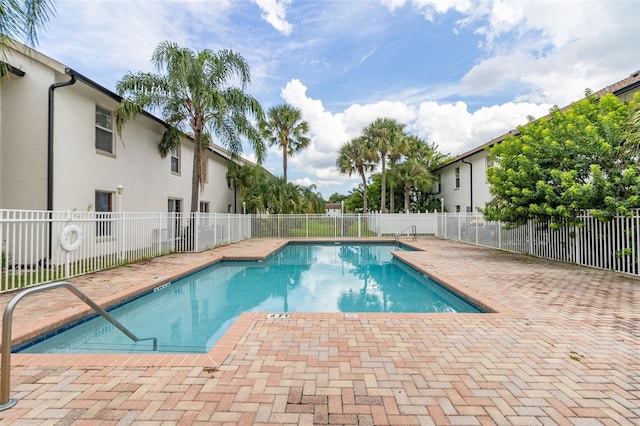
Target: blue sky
x=456, y=72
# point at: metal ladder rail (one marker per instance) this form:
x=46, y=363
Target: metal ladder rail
x=412, y=227
x=5, y=401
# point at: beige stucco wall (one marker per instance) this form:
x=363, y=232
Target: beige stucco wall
x=79, y=170
x=23, y=135
x=462, y=196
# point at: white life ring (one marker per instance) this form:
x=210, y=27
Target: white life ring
x=71, y=237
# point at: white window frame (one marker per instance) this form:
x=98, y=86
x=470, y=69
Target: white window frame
x=176, y=157
x=100, y=127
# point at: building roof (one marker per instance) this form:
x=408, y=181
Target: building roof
x=625, y=85
x=57, y=66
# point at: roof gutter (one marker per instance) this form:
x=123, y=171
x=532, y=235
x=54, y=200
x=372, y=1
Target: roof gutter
x=10, y=68
x=470, y=182
x=53, y=87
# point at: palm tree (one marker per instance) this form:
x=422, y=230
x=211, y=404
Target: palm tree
x=284, y=127
x=263, y=192
x=21, y=19
x=400, y=147
x=355, y=157
x=382, y=135
x=196, y=93
x=415, y=171
x=414, y=174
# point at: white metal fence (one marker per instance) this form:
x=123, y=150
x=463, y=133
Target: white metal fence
x=40, y=246
x=613, y=245
x=334, y=226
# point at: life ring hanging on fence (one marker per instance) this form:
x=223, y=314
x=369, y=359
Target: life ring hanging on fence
x=71, y=237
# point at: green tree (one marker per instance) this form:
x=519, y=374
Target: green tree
x=632, y=129
x=336, y=197
x=399, y=150
x=195, y=92
x=265, y=193
x=577, y=159
x=285, y=128
x=383, y=136
x=355, y=157
x=414, y=171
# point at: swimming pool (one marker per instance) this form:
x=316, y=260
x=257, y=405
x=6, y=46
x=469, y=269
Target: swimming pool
x=191, y=314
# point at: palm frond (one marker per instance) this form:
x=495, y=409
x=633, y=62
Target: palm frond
x=170, y=140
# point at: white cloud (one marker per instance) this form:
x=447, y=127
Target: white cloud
x=456, y=130
x=429, y=8
x=450, y=125
x=87, y=35
x=555, y=49
x=304, y=182
x=274, y=12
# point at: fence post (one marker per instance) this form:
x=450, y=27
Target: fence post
x=530, y=231
x=444, y=224
x=307, y=223
x=122, y=236
x=475, y=216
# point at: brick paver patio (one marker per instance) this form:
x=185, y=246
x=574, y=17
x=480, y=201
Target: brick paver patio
x=563, y=348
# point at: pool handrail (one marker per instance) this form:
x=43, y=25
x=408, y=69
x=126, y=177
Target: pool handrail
x=5, y=382
x=397, y=235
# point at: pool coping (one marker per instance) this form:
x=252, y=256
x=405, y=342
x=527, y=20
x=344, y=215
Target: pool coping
x=227, y=343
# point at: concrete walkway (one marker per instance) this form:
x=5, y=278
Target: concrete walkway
x=562, y=347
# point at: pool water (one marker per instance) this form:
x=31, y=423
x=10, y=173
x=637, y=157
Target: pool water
x=191, y=314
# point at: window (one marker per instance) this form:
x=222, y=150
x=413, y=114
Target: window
x=457, y=209
x=229, y=208
x=104, y=208
x=104, y=130
x=457, y=177
x=490, y=162
x=204, y=207
x=175, y=160
x=175, y=205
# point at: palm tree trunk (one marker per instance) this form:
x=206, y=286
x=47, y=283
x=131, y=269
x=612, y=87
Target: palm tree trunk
x=284, y=162
x=383, y=184
x=407, y=194
x=198, y=125
x=392, y=206
x=195, y=177
x=364, y=194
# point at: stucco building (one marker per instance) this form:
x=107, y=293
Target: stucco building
x=463, y=184
x=59, y=149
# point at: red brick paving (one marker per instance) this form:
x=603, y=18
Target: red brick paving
x=562, y=347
